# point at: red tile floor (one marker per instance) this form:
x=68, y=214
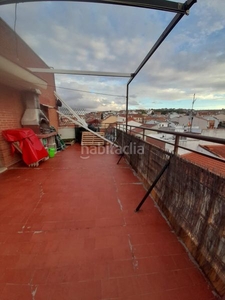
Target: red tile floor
x=68, y=231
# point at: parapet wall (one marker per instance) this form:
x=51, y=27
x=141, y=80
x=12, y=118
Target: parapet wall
x=192, y=199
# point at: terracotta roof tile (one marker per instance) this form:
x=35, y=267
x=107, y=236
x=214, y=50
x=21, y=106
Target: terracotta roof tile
x=211, y=164
x=135, y=130
x=218, y=150
x=148, y=125
x=156, y=142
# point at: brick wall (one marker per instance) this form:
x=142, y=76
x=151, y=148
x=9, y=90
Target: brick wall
x=193, y=201
x=16, y=50
x=11, y=108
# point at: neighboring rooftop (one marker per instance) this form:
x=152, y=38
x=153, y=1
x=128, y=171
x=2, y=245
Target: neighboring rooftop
x=218, y=150
x=215, y=166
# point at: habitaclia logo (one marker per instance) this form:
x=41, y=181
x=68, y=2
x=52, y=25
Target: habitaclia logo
x=133, y=148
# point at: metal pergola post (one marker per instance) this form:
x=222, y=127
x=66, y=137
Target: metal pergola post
x=188, y=4
x=127, y=99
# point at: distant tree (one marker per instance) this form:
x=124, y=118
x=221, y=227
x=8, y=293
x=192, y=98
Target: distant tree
x=164, y=112
x=221, y=125
x=143, y=111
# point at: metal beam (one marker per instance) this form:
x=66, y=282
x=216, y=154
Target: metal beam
x=188, y=4
x=78, y=72
x=153, y=185
x=164, y=5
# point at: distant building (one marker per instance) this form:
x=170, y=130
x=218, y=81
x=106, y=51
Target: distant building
x=108, y=120
x=186, y=121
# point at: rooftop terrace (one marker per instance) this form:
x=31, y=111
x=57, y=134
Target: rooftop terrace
x=68, y=231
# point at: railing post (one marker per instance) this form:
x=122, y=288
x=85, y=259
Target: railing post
x=143, y=135
x=176, y=145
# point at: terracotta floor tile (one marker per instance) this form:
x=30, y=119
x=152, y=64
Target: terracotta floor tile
x=101, y=271
x=85, y=272
x=133, y=220
x=109, y=289
x=2, y=276
x=44, y=291
x=108, y=222
x=182, y=261
x=3, y=237
x=16, y=292
x=195, y=276
x=116, y=269
x=19, y=237
x=128, y=287
x=203, y=291
x=21, y=276
x=101, y=255
x=101, y=242
x=40, y=276
x=163, y=281
x=182, y=278
x=89, y=244
x=145, y=250
x=134, y=228
x=173, y=248
x=122, y=252
x=117, y=240
x=9, y=261
x=121, y=268
x=26, y=248
x=93, y=290
x=168, y=295
x=118, y=230
x=145, y=285
x=56, y=275
x=139, y=239
x=165, y=263
x=2, y=286
x=71, y=258
x=195, y=293
x=65, y=291
x=46, y=260
x=155, y=264
x=11, y=248
x=82, y=240
x=38, y=248
x=70, y=274
x=52, y=246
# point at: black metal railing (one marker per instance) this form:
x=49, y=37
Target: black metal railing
x=140, y=132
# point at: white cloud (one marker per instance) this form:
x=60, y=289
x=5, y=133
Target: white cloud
x=115, y=38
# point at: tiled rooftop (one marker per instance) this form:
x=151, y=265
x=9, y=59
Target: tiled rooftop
x=68, y=231
x=217, y=167
x=218, y=150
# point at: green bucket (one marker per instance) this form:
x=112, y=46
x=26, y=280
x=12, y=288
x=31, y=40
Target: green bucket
x=51, y=152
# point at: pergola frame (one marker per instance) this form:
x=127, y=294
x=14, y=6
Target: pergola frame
x=180, y=9
x=175, y=7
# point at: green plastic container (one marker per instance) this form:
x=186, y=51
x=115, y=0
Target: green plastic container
x=51, y=152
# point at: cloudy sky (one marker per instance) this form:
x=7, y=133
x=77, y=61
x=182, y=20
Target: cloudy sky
x=98, y=37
